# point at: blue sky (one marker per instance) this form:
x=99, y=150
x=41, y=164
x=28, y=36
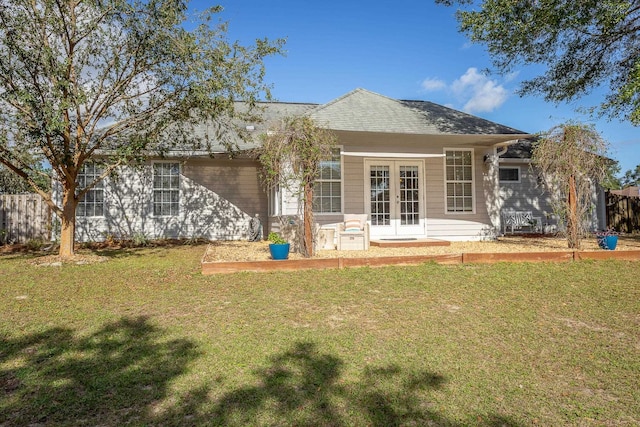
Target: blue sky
x=404, y=50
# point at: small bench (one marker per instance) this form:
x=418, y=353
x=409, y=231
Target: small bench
x=521, y=221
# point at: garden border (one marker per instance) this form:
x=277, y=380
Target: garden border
x=218, y=267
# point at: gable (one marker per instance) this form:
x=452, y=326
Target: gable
x=365, y=111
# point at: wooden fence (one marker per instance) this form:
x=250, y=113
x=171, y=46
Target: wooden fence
x=23, y=217
x=623, y=213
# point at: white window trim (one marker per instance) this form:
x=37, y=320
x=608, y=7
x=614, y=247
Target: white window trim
x=275, y=200
x=103, y=184
x=153, y=215
x=519, y=180
x=339, y=148
x=473, y=180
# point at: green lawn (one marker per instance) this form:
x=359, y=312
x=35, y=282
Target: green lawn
x=145, y=339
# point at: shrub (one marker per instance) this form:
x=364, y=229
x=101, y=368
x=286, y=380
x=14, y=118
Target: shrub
x=276, y=239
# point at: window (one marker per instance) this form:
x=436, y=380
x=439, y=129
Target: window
x=166, y=189
x=509, y=174
x=459, y=180
x=92, y=204
x=275, y=200
x=327, y=189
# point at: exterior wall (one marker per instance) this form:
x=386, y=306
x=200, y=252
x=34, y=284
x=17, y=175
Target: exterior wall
x=217, y=200
x=236, y=181
x=439, y=224
x=491, y=197
x=476, y=225
x=528, y=195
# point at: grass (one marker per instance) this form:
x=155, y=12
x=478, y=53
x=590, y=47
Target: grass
x=145, y=339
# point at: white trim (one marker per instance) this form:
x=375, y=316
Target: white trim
x=275, y=201
x=341, y=160
x=389, y=155
x=473, y=181
x=180, y=189
x=101, y=185
x=394, y=228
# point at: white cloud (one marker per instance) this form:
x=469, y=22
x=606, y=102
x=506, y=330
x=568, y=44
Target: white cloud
x=431, y=85
x=481, y=93
x=512, y=76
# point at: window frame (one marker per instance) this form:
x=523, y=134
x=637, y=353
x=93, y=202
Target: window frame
x=337, y=153
x=98, y=188
x=509, y=181
x=275, y=200
x=154, y=190
x=472, y=182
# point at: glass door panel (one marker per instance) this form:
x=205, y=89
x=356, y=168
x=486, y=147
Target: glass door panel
x=379, y=180
x=409, y=195
x=396, y=197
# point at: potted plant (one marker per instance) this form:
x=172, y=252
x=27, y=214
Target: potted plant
x=279, y=248
x=607, y=239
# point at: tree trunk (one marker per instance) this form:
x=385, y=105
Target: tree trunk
x=572, y=218
x=308, y=219
x=68, y=227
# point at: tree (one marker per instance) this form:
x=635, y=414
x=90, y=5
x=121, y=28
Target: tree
x=572, y=161
x=290, y=154
x=611, y=180
x=583, y=44
x=81, y=79
x=631, y=177
x=10, y=183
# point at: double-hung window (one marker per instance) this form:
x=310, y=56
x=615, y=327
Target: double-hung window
x=459, y=180
x=92, y=204
x=327, y=189
x=166, y=189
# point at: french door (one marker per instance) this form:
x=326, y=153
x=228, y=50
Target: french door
x=395, y=197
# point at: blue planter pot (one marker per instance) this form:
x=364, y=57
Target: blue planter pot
x=279, y=250
x=608, y=242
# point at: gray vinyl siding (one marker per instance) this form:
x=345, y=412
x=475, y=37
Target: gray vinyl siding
x=530, y=195
x=353, y=184
x=217, y=200
x=236, y=181
x=527, y=195
x=456, y=225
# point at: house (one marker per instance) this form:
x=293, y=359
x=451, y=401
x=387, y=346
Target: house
x=521, y=189
x=417, y=169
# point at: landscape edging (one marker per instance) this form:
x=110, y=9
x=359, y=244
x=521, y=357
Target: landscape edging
x=218, y=267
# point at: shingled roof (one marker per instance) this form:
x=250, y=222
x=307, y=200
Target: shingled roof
x=270, y=112
x=523, y=149
x=363, y=111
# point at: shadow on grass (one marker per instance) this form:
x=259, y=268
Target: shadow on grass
x=123, y=249
x=121, y=375
x=111, y=376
